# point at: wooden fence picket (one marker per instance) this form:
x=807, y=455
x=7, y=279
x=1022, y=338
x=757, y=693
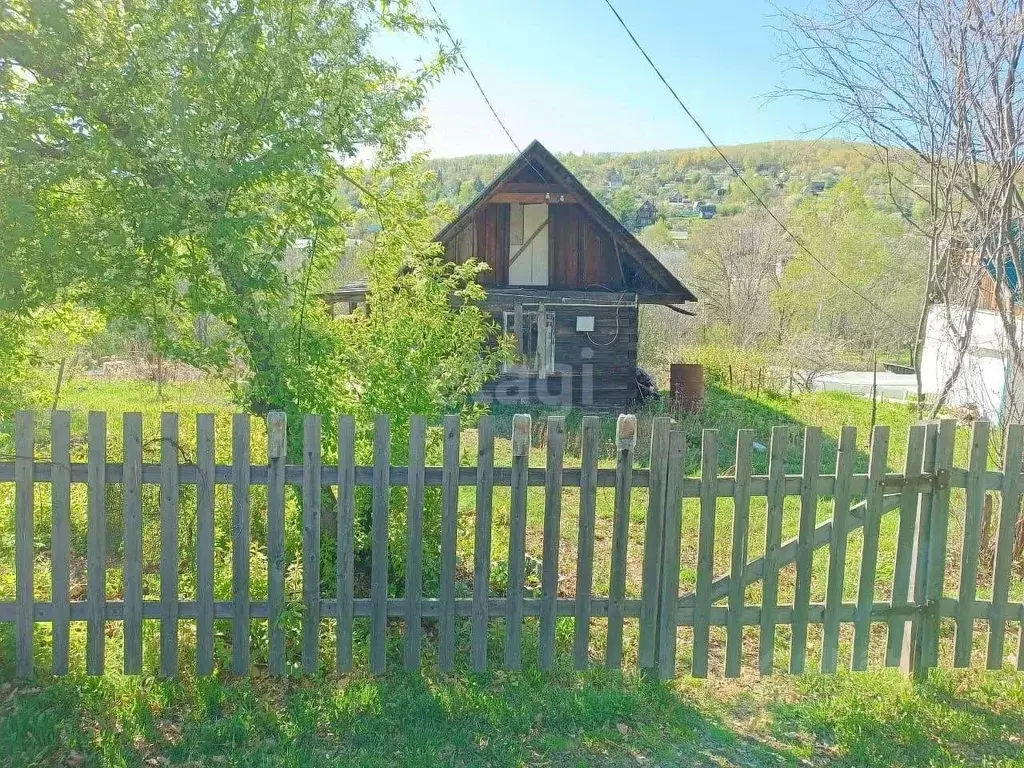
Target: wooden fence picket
x=311, y=500
x=521, y=433
x=132, y=570
x=240, y=541
x=1009, y=509
x=552, y=528
x=414, y=543
x=379, y=543
x=482, y=542
x=920, y=491
x=449, y=535
x=585, y=541
x=625, y=443
x=277, y=457
x=969, y=553
x=60, y=546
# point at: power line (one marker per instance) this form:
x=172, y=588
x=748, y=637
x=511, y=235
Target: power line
x=739, y=176
x=462, y=57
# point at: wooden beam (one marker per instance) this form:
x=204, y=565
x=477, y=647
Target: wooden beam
x=516, y=186
x=533, y=198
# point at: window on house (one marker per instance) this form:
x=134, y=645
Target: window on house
x=532, y=354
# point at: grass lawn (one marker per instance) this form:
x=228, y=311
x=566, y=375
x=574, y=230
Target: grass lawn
x=563, y=718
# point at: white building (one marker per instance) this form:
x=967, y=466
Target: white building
x=986, y=380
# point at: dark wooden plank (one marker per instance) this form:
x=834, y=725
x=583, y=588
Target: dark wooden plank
x=414, y=543
x=96, y=545
x=517, y=542
x=905, y=543
x=772, y=543
x=655, y=524
x=668, y=620
x=169, y=551
x=970, y=551
x=346, y=540
x=277, y=457
x=379, y=543
x=24, y=545
x=60, y=547
x=552, y=539
x=1009, y=509
x=705, y=551
x=449, y=535
x=241, y=532
x=482, y=542
x=132, y=570
x=625, y=444
x=805, y=547
x=740, y=531
x=311, y=491
x=206, y=459
x=591, y=435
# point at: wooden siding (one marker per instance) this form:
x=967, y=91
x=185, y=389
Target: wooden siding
x=592, y=369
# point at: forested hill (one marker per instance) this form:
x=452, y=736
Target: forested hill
x=675, y=178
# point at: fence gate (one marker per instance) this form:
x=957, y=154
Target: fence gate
x=912, y=613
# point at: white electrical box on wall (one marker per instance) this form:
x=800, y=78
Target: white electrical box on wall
x=585, y=323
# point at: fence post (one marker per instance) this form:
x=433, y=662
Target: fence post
x=625, y=443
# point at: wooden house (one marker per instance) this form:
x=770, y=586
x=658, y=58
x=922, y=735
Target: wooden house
x=565, y=278
x=646, y=214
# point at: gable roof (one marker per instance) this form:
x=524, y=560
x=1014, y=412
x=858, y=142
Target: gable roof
x=537, y=157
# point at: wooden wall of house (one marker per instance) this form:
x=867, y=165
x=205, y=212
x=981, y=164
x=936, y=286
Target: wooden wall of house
x=606, y=358
x=581, y=252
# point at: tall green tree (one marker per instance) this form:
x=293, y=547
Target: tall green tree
x=166, y=161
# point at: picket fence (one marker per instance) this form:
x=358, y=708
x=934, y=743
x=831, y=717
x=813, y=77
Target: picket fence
x=912, y=614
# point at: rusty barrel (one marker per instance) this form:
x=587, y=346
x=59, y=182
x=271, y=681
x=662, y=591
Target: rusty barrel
x=686, y=386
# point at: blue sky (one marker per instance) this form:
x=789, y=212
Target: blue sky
x=564, y=72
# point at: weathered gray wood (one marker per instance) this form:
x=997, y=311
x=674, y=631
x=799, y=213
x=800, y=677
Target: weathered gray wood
x=805, y=547
x=625, y=444
x=1009, y=509
x=482, y=542
x=869, y=555
x=937, y=544
x=277, y=457
x=654, y=530
x=552, y=528
x=773, y=540
x=521, y=432
x=311, y=498
x=740, y=530
x=60, y=547
x=705, y=550
x=241, y=532
x=24, y=546
x=206, y=459
x=517, y=326
x=449, y=534
x=414, y=543
x=346, y=540
x=837, y=549
x=905, y=543
x=671, y=533
x=964, y=636
x=911, y=657
x=132, y=570
x=169, y=557
x=96, y=545
x=591, y=434
x=379, y=543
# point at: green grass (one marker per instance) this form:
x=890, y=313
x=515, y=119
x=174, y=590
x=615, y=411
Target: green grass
x=565, y=718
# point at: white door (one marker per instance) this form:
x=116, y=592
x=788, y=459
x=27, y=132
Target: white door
x=528, y=246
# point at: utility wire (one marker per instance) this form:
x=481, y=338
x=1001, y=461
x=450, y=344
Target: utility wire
x=739, y=176
x=462, y=57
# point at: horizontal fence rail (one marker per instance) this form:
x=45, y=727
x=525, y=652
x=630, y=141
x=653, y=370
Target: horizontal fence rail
x=911, y=614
